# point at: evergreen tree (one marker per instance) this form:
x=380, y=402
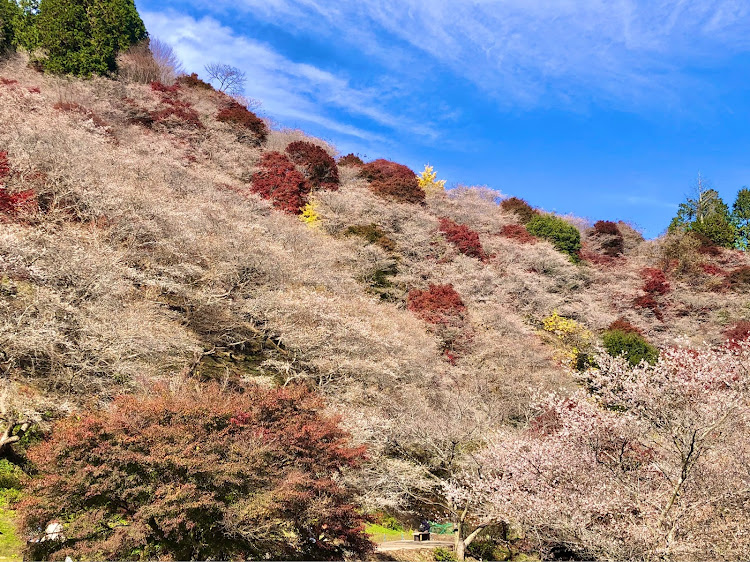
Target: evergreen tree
x=9, y=11
x=706, y=214
x=83, y=37
x=741, y=218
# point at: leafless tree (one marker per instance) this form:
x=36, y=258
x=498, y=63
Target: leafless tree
x=231, y=79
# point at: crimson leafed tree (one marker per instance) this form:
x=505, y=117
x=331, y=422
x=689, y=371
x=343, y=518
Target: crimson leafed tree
x=279, y=181
x=319, y=167
x=393, y=181
x=463, y=238
x=202, y=474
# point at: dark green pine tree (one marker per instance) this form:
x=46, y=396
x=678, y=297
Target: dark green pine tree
x=83, y=37
x=741, y=218
x=9, y=13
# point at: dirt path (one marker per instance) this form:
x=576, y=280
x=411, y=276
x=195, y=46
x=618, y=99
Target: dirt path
x=413, y=545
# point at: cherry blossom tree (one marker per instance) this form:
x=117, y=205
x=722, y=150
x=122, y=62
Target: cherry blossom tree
x=648, y=462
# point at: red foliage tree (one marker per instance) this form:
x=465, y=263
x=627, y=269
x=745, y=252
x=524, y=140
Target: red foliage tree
x=244, y=120
x=319, y=167
x=654, y=281
x=463, y=238
x=393, y=181
x=279, y=181
x=163, y=88
x=351, y=159
x=440, y=304
x=520, y=208
x=197, y=475
x=607, y=227
x=518, y=233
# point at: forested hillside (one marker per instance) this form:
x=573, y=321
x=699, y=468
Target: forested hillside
x=220, y=339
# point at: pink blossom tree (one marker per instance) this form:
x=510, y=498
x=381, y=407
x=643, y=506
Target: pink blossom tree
x=648, y=462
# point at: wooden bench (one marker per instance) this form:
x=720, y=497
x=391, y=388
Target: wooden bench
x=421, y=536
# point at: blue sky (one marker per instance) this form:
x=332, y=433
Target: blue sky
x=604, y=109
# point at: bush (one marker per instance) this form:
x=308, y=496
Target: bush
x=351, y=159
x=631, y=345
x=623, y=325
x=280, y=182
x=319, y=167
x=607, y=227
x=192, y=81
x=443, y=554
x=518, y=233
x=655, y=281
x=373, y=234
x=440, y=304
x=740, y=331
x=245, y=121
x=83, y=37
x=197, y=475
x=393, y=181
x=520, y=208
x=573, y=340
x=739, y=278
x=15, y=204
x=563, y=235
x=463, y=238
x=649, y=302
x=609, y=238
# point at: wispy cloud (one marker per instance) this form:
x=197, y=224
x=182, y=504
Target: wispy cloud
x=534, y=52
x=289, y=90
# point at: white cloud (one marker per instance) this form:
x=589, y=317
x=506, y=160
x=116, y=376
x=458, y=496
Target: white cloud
x=534, y=52
x=288, y=90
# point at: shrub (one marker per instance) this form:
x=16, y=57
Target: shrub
x=373, y=234
x=197, y=475
x=83, y=37
x=649, y=302
x=163, y=88
x=609, y=238
x=280, y=182
x=518, y=233
x=631, y=345
x=393, y=181
x=309, y=215
x=440, y=304
x=443, y=554
x=607, y=227
x=319, y=167
x=520, y=208
x=655, y=281
x=18, y=203
x=623, y=325
x=572, y=338
x=740, y=331
x=563, y=235
x=351, y=159
x=739, y=278
x=181, y=112
x=463, y=238
x=246, y=122
x=192, y=81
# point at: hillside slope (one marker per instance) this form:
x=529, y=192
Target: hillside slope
x=145, y=258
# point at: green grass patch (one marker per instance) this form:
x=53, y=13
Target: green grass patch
x=10, y=544
x=381, y=534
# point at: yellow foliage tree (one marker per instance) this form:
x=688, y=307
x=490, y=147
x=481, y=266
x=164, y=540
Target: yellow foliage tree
x=428, y=182
x=310, y=215
x=573, y=340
